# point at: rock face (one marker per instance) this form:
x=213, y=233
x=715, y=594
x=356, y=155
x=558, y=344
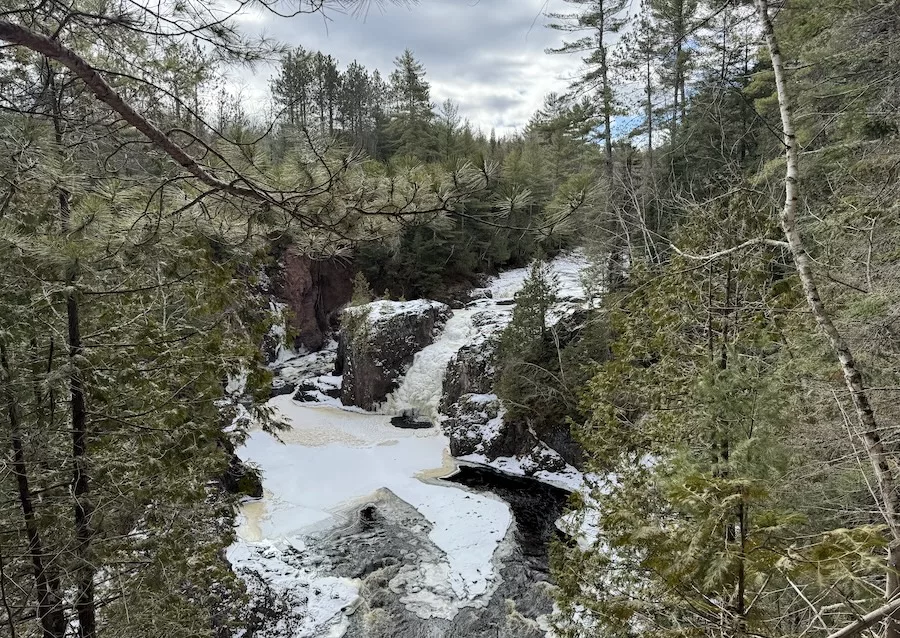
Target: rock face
x=470, y=371
x=385, y=551
x=315, y=291
x=378, y=342
x=479, y=433
x=474, y=419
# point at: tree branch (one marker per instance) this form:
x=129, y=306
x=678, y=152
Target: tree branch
x=868, y=620
x=722, y=253
x=51, y=49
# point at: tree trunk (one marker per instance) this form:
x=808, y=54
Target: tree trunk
x=85, y=608
x=49, y=609
x=649, y=90
x=607, y=100
x=84, y=574
x=871, y=433
x=675, y=95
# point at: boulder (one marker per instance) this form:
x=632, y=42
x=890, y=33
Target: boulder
x=470, y=371
x=409, y=421
x=281, y=387
x=378, y=342
x=472, y=368
x=315, y=291
x=474, y=425
x=479, y=433
x=239, y=478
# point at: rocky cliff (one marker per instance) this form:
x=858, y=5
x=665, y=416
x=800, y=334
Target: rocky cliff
x=378, y=342
x=315, y=291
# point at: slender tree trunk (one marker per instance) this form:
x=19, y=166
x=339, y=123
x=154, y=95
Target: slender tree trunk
x=742, y=144
x=84, y=509
x=740, y=607
x=85, y=608
x=675, y=95
x=616, y=257
x=870, y=430
x=607, y=99
x=7, y=608
x=649, y=90
x=49, y=610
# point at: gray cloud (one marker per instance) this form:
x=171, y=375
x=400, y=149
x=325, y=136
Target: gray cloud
x=487, y=55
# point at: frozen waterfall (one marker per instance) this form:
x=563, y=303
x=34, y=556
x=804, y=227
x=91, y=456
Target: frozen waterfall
x=420, y=391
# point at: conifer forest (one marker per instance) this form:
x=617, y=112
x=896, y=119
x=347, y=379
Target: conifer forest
x=299, y=343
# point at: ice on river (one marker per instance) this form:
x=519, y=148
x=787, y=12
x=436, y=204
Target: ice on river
x=332, y=459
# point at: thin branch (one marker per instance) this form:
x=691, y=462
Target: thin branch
x=722, y=253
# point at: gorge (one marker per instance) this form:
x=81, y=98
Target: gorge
x=368, y=529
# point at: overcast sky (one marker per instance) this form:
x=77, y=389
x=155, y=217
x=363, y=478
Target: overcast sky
x=486, y=55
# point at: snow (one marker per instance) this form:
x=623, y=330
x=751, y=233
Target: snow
x=421, y=388
x=481, y=398
x=278, y=332
x=568, y=478
x=505, y=286
x=236, y=384
x=379, y=310
x=570, y=269
x=479, y=420
x=292, y=367
x=317, y=602
x=332, y=459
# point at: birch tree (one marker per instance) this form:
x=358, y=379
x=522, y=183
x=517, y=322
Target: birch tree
x=870, y=429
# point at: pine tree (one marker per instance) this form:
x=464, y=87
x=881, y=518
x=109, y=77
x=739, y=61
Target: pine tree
x=410, y=127
x=602, y=20
x=674, y=21
x=292, y=88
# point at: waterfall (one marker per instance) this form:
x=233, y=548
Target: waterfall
x=420, y=392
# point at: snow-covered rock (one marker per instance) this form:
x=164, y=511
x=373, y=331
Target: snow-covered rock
x=327, y=464
x=470, y=371
x=289, y=597
x=474, y=425
x=378, y=343
x=480, y=435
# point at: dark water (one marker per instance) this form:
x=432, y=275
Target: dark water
x=409, y=420
x=535, y=506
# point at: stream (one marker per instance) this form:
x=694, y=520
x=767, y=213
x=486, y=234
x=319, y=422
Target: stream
x=366, y=529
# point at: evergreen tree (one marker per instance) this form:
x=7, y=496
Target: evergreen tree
x=673, y=20
x=602, y=20
x=410, y=129
x=292, y=88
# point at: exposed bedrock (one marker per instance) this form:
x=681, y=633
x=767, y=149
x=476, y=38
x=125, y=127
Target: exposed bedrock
x=475, y=421
x=470, y=371
x=378, y=342
x=387, y=554
x=315, y=291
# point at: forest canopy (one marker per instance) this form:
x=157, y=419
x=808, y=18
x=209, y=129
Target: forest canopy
x=729, y=167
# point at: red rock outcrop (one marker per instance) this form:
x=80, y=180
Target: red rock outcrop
x=315, y=290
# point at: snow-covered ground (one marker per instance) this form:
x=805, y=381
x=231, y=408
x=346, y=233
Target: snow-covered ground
x=305, y=603
x=333, y=460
